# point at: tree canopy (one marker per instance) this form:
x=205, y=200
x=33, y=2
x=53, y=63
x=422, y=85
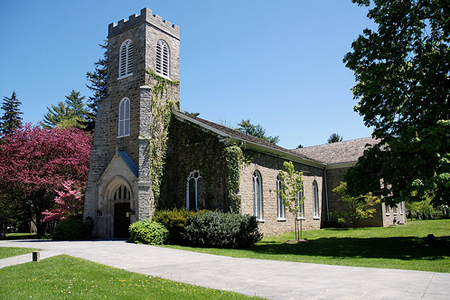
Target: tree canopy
x=34, y=162
x=258, y=131
x=334, y=138
x=403, y=86
x=11, y=118
x=69, y=114
x=97, y=84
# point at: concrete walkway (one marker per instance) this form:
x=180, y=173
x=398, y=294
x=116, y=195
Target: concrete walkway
x=254, y=277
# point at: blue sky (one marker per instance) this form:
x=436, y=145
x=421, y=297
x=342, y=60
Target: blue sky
x=277, y=63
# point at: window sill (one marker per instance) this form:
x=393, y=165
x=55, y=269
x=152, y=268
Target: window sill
x=121, y=136
x=316, y=218
x=300, y=218
x=281, y=220
x=125, y=76
x=260, y=220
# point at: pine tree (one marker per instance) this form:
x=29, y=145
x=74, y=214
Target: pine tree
x=11, y=119
x=97, y=80
x=69, y=114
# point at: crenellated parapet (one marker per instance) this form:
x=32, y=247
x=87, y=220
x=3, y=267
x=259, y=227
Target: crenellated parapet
x=145, y=16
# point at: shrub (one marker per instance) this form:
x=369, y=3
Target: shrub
x=70, y=229
x=222, y=230
x=148, y=232
x=175, y=221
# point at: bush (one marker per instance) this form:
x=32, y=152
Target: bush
x=175, y=221
x=70, y=229
x=148, y=232
x=222, y=230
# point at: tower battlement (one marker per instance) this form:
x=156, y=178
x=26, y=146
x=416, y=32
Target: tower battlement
x=145, y=16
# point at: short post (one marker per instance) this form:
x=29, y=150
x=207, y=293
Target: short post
x=36, y=256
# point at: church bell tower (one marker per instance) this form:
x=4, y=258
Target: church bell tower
x=119, y=187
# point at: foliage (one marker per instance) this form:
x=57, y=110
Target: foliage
x=222, y=230
x=6, y=252
x=68, y=203
x=291, y=189
x=70, y=229
x=356, y=208
x=69, y=277
x=97, y=84
x=403, y=76
x=11, y=118
x=256, y=130
x=68, y=114
x=162, y=105
x=34, y=162
x=334, y=138
x=234, y=158
x=175, y=221
x=148, y=232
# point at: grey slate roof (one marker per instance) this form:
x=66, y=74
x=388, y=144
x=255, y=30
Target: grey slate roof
x=340, y=152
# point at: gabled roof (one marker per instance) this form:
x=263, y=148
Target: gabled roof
x=339, y=152
x=249, y=140
x=129, y=162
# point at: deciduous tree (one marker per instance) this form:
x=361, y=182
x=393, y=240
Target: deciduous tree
x=34, y=162
x=403, y=87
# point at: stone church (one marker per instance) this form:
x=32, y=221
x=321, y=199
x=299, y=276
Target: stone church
x=149, y=155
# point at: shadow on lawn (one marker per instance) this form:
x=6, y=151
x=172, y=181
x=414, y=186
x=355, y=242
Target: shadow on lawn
x=404, y=248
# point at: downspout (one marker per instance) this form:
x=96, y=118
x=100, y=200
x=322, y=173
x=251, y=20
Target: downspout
x=326, y=192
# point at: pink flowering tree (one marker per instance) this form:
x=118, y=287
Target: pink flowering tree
x=35, y=162
x=68, y=202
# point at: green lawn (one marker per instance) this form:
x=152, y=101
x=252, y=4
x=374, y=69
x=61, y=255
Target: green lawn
x=11, y=251
x=63, y=277
x=395, y=247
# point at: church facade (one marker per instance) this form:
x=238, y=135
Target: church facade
x=149, y=155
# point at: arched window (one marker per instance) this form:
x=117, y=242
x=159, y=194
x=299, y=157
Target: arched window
x=124, y=117
x=281, y=209
x=301, y=205
x=126, y=57
x=122, y=193
x=316, y=200
x=162, y=58
x=257, y=196
x=194, y=189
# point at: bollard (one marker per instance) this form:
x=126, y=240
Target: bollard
x=36, y=256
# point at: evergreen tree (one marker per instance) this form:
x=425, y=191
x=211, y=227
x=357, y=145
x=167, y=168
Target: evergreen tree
x=256, y=130
x=68, y=114
x=97, y=84
x=334, y=138
x=11, y=118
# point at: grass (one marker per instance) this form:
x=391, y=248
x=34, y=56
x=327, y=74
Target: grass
x=63, y=277
x=20, y=236
x=395, y=247
x=6, y=252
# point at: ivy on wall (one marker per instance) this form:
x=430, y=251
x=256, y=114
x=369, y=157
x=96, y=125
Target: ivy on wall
x=234, y=157
x=162, y=105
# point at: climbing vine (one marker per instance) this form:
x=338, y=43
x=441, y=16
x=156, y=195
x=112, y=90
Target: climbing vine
x=235, y=158
x=162, y=105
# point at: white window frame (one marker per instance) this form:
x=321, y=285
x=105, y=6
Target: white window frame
x=126, y=59
x=196, y=176
x=257, y=196
x=281, y=209
x=400, y=207
x=388, y=210
x=162, y=66
x=316, y=200
x=124, y=118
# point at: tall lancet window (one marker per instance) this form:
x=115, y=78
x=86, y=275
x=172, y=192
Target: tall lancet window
x=126, y=57
x=162, y=58
x=124, y=117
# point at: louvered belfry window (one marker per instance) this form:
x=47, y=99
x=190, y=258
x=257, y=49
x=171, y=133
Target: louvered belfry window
x=126, y=57
x=162, y=58
x=124, y=117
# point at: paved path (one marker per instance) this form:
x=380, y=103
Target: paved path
x=264, y=278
